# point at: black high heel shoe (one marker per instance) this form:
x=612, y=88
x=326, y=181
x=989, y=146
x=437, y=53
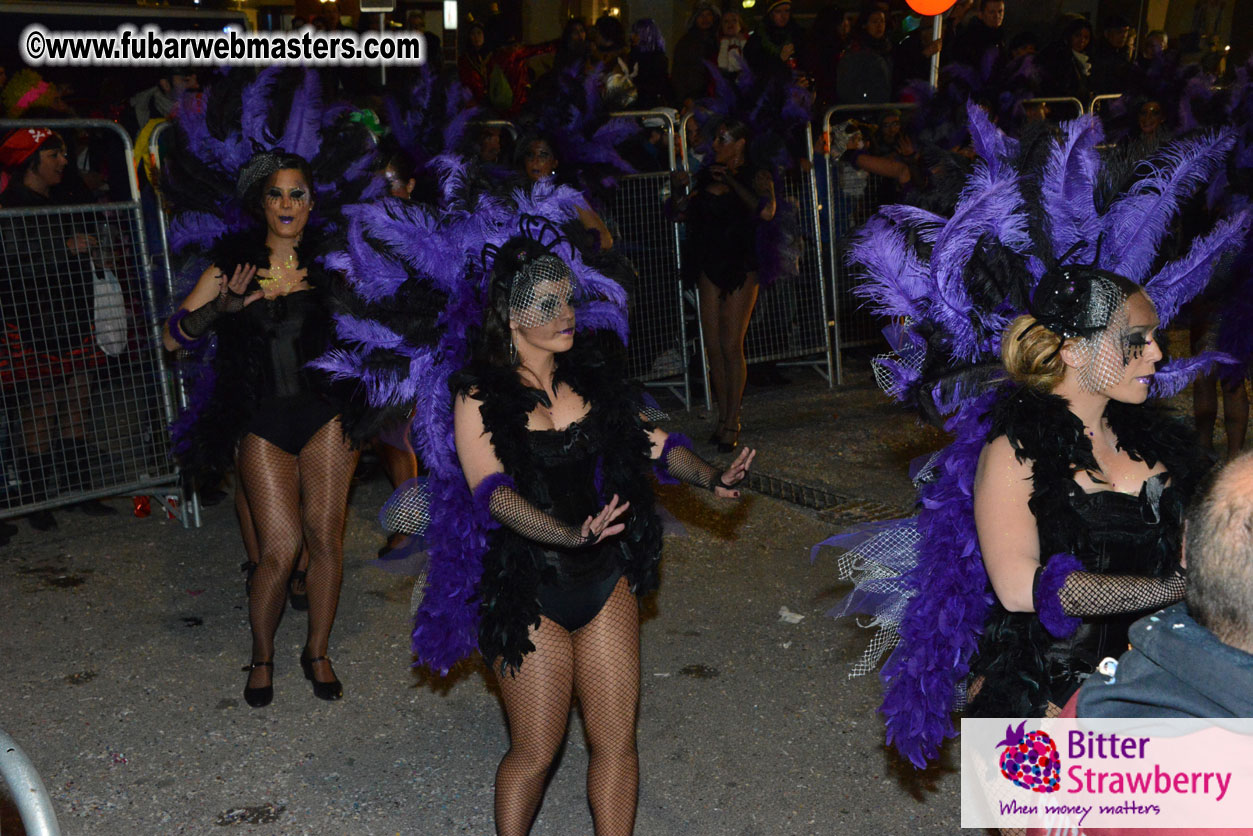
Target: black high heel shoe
x=260, y=697
x=329, y=691
x=299, y=600
x=728, y=439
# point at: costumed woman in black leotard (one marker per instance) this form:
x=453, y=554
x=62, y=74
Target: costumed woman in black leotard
x=1055, y=516
x=265, y=300
x=538, y=413
x=1079, y=493
x=537, y=509
x=728, y=201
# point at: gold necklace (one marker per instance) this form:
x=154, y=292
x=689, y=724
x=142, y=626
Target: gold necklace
x=281, y=276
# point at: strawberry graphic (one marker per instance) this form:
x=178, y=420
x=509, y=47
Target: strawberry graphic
x=1030, y=759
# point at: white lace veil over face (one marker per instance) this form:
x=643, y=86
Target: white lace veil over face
x=1087, y=307
x=540, y=291
x=1102, y=356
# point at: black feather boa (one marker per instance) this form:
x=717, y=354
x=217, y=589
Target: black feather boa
x=595, y=368
x=1017, y=658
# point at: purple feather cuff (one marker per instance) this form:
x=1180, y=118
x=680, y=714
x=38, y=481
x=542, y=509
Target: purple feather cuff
x=1049, y=581
x=672, y=440
x=176, y=331
x=483, y=493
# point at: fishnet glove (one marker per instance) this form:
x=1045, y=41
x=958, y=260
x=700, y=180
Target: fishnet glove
x=1064, y=593
x=196, y=323
x=1086, y=594
x=511, y=509
x=683, y=464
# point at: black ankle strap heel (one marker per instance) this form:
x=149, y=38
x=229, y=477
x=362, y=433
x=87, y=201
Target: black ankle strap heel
x=260, y=697
x=329, y=691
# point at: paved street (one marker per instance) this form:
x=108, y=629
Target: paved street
x=125, y=640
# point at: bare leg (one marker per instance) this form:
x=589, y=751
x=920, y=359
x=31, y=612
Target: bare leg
x=39, y=415
x=737, y=310
x=537, y=701
x=75, y=401
x=710, y=319
x=400, y=466
x=607, y=679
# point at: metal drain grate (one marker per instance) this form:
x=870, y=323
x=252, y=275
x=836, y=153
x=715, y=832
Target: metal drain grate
x=831, y=506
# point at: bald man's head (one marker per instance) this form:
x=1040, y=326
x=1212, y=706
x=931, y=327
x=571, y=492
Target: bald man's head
x=1219, y=548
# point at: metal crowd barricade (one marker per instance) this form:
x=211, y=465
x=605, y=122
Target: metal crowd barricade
x=84, y=401
x=178, y=380
x=1103, y=97
x=852, y=197
x=649, y=238
x=27, y=789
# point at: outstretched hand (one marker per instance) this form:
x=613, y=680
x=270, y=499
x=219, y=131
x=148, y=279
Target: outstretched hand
x=232, y=295
x=601, y=525
x=736, y=473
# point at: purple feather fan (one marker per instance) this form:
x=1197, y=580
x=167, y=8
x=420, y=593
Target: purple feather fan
x=392, y=254
x=1137, y=221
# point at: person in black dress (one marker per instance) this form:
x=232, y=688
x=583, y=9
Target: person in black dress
x=1079, y=497
x=728, y=201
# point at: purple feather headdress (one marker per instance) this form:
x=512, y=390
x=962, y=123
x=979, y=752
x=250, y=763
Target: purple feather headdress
x=968, y=275
x=216, y=133
x=433, y=119
x=577, y=121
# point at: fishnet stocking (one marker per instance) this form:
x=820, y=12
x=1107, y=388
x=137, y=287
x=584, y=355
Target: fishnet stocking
x=600, y=660
x=294, y=499
x=607, y=680
x=247, y=532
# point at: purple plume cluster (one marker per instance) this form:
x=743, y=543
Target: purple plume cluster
x=393, y=251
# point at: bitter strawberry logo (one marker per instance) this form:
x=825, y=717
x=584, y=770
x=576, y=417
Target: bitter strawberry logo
x=1030, y=759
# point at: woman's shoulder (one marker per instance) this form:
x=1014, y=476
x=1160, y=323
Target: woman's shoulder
x=1035, y=424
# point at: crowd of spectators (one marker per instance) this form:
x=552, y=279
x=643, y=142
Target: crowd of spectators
x=880, y=53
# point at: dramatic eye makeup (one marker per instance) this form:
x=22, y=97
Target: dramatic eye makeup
x=274, y=195
x=1135, y=342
